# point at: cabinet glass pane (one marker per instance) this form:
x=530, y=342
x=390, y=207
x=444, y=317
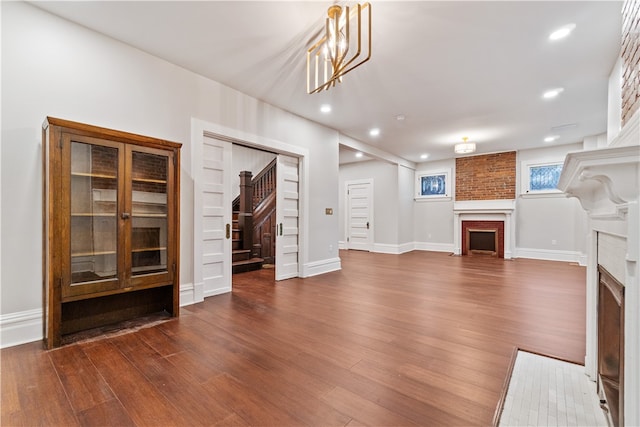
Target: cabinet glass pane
x=94, y=225
x=149, y=213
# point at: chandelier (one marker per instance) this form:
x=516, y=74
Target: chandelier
x=465, y=148
x=340, y=47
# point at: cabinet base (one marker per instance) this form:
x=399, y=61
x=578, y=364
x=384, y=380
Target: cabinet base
x=113, y=311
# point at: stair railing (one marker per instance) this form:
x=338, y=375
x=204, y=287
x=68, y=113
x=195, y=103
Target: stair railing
x=253, y=191
x=264, y=183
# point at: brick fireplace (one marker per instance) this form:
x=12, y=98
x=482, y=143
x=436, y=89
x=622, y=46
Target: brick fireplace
x=485, y=203
x=485, y=215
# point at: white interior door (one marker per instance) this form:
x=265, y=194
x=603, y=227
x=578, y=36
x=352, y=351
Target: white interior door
x=360, y=215
x=287, y=196
x=215, y=211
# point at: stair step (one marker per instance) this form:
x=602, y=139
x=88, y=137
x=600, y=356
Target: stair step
x=249, y=261
x=240, y=255
x=247, y=265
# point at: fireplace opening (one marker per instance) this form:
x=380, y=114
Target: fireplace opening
x=611, y=346
x=482, y=237
x=482, y=242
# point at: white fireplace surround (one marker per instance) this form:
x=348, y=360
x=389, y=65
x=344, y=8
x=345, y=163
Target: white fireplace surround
x=606, y=181
x=485, y=210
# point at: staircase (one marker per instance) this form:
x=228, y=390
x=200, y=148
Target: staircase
x=242, y=260
x=254, y=220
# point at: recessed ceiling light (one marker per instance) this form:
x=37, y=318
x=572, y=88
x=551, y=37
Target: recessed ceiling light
x=552, y=93
x=359, y=154
x=325, y=108
x=562, y=32
x=374, y=132
x=400, y=117
x=424, y=156
x=551, y=138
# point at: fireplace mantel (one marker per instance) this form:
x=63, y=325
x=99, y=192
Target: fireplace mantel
x=606, y=181
x=485, y=210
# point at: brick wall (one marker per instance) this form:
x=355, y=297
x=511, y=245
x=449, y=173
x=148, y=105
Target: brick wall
x=486, y=177
x=104, y=160
x=630, y=59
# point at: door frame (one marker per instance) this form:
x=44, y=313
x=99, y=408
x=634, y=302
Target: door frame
x=347, y=216
x=192, y=293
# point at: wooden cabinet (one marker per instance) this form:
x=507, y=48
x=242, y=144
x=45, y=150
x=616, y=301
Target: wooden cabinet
x=111, y=234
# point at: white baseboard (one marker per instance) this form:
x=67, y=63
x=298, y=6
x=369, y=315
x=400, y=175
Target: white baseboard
x=342, y=244
x=20, y=328
x=434, y=247
x=583, y=260
x=385, y=248
x=188, y=294
x=320, y=267
x=544, y=254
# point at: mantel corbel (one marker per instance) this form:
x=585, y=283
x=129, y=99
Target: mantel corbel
x=604, y=180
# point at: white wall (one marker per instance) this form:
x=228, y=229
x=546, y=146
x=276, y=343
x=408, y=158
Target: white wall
x=51, y=67
x=405, y=205
x=433, y=219
x=385, y=198
x=614, y=101
x=549, y=227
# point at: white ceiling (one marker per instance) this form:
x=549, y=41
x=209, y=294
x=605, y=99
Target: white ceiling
x=452, y=68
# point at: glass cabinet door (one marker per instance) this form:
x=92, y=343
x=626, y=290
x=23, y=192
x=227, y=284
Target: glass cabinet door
x=93, y=237
x=149, y=209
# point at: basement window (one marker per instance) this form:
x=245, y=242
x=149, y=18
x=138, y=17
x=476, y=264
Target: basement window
x=540, y=179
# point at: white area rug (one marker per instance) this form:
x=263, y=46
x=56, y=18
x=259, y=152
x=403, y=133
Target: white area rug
x=548, y=392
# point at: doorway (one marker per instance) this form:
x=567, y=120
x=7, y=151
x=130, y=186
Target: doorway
x=212, y=222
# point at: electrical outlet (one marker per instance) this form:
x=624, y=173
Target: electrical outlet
x=429, y=236
x=554, y=242
x=330, y=248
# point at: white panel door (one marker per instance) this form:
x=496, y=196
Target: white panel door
x=216, y=216
x=287, y=217
x=359, y=215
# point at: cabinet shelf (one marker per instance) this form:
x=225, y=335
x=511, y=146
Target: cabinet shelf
x=150, y=180
x=92, y=253
x=93, y=175
x=92, y=214
x=149, y=269
x=149, y=249
x=149, y=215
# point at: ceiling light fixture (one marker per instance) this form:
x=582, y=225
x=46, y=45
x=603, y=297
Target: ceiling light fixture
x=551, y=138
x=552, y=93
x=374, y=132
x=346, y=38
x=326, y=108
x=465, y=148
x=562, y=32
x=424, y=156
x=359, y=154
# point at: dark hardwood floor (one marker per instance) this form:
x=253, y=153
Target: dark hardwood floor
x=422, y=338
